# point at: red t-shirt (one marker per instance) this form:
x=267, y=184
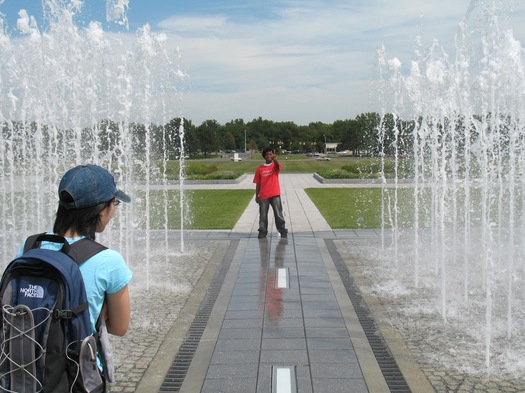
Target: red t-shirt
x=268, y=179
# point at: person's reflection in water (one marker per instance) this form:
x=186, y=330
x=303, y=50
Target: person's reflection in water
x=279, y=252
x=264, y=253
x=274, y=299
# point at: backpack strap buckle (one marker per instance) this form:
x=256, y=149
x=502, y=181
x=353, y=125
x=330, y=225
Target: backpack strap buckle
x=62, y=314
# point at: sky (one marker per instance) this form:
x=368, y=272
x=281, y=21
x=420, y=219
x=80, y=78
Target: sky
x=283, y=60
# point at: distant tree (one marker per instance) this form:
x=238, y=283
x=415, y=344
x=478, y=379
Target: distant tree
x=237, y=128
x=108, y=138
x=263, y=131
x=191, y=139
x=173, y=133
x=320, y=134
x=368, y=133
x=352, y=135
x=228, y=141
x=386, y=134
x=253, y=146
x=341, y=130
x=368, y=124
x=208, y=136
x=160, y=141
x=172, y=139
x=287, y=136
x=305, y=134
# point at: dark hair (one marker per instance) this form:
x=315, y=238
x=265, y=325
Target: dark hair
x=82, y=221
x=266, y=150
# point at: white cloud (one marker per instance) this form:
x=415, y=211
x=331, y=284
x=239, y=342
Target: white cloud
x=310, y=61
x=300, y=61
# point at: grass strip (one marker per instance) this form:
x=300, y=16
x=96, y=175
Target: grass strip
x=208, y=209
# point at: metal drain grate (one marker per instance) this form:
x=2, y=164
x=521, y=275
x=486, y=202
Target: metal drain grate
x=177, y=372
x=393, y=376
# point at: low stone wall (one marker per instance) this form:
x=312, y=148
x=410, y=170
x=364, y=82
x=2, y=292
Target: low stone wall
x=321, y=179
x=209, y=181
x=217, y=181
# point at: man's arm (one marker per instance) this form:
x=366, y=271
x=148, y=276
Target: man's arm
x=257, y=188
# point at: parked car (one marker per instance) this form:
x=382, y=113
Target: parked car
x=321, y=158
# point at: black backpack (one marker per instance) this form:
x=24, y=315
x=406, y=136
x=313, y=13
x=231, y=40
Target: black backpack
x=46, y=343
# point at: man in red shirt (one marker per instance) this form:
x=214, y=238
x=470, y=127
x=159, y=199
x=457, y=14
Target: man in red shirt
x=268, y=192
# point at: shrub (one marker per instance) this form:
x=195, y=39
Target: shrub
x=371, y=169
x=219, y=175
x=200, y=168
x=364, y=168
x=339, y=174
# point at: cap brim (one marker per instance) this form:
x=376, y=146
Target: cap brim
x=122, y=196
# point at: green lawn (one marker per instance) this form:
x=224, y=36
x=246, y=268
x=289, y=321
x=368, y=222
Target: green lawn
x=221, y=209
x=209, y=209
x=296, y=163
x=337, y=168
x=364, y=207
x=292, y=166
x=345, y=208
x=217, y=209
x=342, y=208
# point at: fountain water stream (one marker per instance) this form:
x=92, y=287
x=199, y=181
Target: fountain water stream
x=462, y=124
x=74, y=95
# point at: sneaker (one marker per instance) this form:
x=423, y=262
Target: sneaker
x=261, y=235
x=284, y=235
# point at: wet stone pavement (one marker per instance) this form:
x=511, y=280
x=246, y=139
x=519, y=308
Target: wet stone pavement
x=273, y=315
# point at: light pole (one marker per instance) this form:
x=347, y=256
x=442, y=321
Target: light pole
x=245, y=140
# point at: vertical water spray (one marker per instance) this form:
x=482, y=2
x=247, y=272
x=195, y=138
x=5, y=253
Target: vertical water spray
x=467, y=151
x=77, y=95
x=182, y=201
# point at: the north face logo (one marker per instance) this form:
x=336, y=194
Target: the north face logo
x=33, y=291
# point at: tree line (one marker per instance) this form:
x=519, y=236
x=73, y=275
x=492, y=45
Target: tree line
x=356, y=135
x=165, y=141
x=367, y=134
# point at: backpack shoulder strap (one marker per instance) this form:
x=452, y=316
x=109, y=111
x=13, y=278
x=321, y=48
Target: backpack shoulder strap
x=31, y=242
x=83, y=249
x=80, y=251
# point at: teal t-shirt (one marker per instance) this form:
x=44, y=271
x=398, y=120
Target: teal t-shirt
x=105, y=272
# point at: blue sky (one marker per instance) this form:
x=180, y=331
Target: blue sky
x=283, y=60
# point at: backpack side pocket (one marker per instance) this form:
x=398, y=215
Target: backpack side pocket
x=21, y=342
x=89, y=372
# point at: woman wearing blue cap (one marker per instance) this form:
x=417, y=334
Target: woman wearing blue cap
x=88, y=197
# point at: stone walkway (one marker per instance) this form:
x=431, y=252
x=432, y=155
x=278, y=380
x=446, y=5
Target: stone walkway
x=214, y=319
x=273, y=315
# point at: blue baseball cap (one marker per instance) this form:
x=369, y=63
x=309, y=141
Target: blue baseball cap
x=89, y=185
